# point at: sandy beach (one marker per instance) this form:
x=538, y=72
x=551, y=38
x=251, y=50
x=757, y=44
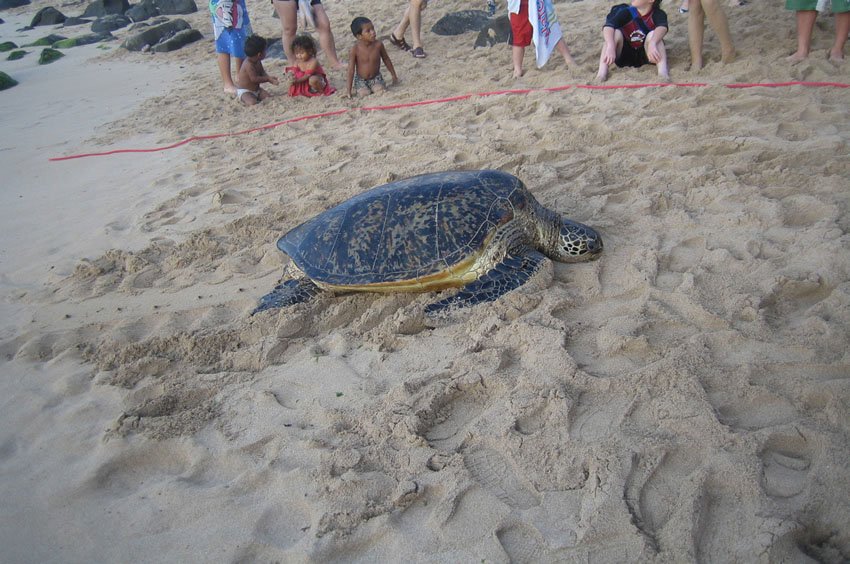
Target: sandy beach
x=682, y=399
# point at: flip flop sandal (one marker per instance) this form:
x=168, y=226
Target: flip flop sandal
x=400, y=43
x=419, y=53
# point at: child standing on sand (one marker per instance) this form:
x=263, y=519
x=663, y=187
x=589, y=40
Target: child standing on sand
x=231, y=28
x=308, y=77
x=251, y=74
x=807, y=13
x=364, y=63
x=634, y=36
x=538, y=23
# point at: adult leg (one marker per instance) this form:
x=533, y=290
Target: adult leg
x=326, y=36
x=223, y=60
x=288, y=15
x=805, y=25
x=402, y=26
x=696, y=33
x=717, y=19
x=415, y=15
x=842, y=28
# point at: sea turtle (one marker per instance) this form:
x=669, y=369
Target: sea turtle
x=479, y=230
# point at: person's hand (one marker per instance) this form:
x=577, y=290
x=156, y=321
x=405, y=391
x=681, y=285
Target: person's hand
x=609, y=54
x=652, y=53
x=274, y=80
x=395, y=80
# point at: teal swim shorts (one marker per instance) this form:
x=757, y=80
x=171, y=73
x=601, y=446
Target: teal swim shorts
x=838, y=6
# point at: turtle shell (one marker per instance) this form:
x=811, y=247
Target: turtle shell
x=407, y=230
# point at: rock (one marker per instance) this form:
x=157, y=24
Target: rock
x=144, y=10
x=6, y=81
x=154, y=35
x=495, y=31
x=274, y=49
x=74, y=20
x=48, y=16
x=49, y=55
x=5, y=4
x=86, y=39
x=100, y=8
x=15, y=55
x=457, y=23
x=110, y=23
x=7, y=46
x=47, y=40
x=147, y=24
x=175, y=7
x=180, y=39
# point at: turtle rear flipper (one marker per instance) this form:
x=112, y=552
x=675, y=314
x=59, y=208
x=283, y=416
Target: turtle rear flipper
x=514, y=271
x=288, y=292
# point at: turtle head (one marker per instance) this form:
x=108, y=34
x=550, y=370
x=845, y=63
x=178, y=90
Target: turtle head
x=576, y=242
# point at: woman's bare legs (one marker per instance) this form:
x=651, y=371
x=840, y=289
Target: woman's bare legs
x=842, y=28
x=805, y=25
x=696, y=31
x=326, y=36
x=288, y=15
x=223, y=60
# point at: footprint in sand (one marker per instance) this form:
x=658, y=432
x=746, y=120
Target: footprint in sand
x=521, y=542
x=498, y=477
x=785, y=466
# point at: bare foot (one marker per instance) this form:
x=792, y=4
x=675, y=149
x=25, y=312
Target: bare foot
x=696, y=64
x=230, y=90
x=665, y=77
x=727, y=57
x=836, y=56
x=797, y=57
x=602, y=75
x=570, y=61
x=518, y=73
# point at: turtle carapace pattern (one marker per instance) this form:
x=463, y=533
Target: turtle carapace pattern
x=481, y=231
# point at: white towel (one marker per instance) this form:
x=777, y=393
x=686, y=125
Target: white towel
x=547, y=30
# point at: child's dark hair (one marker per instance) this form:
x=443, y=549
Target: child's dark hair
x=304, y=43
x=255, y=45
x=357, y=25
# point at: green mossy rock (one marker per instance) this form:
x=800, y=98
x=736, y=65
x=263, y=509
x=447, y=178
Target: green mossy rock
x=49, y=55
x=47, y=41
x=7, y=46
x=65, y=44
x=6, y=81
x=15, y=55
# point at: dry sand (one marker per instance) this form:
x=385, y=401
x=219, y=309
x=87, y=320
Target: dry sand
x=684, y=398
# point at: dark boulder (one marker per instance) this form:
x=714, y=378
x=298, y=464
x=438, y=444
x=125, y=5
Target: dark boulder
x=176, y=7
x=110, y=23
x=74, y=21
x=180, y=39
x=496, y=31
x=15, y=55
x=6, y=4
x=100, y=8
x=7, y=46
x=457, y=23
x=153, y=35
x=144, y=10
x=48, y=16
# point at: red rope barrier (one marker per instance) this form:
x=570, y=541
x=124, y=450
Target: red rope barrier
x=447, y=100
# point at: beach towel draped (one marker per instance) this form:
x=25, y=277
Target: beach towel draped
x=545, y=26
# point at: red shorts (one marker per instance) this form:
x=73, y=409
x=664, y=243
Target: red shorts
x=521, y=30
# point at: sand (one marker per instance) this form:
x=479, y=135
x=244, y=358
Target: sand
x=684, y=398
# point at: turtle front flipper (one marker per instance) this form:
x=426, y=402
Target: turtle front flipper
x=287, y=293
x=514, y=271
